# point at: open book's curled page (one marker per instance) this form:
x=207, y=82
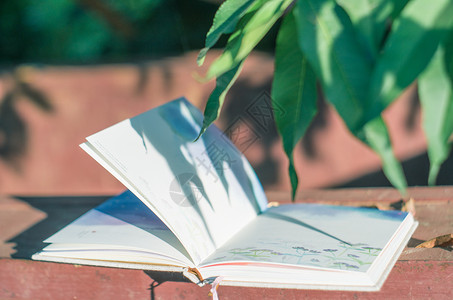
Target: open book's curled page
x=197, y=207
x=204, y=191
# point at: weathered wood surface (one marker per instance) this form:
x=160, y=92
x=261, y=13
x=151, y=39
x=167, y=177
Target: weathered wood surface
x=89, y=98
x=25, y=222
x=23, y=279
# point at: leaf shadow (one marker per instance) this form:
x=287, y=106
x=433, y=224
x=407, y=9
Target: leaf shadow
x=13, y=127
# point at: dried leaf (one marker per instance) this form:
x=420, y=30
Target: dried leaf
x=440, y=241
x=408, y=206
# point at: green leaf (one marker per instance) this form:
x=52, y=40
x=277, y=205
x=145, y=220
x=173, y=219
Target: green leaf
x=436, y=97
x=398, y=6
x=294, y=90
x=217, y=97
x=250, y=30
x=376, y=135
x=448, y=55
x=224, y=22
x=369, y=18
x=228, y=76
x=410, y=46
x=327, y=39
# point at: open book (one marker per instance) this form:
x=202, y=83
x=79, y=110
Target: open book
x=198, y=208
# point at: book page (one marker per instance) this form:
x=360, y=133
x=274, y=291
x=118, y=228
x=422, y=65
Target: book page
x=122, y=224
x=314, y=236
x=204, y=191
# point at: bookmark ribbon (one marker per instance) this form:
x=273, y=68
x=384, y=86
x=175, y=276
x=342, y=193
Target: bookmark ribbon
x=215, y=286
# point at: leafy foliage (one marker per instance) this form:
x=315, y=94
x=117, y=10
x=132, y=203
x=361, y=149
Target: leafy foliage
x=436, y=96
x=76, y=31
x=295, y=88
x=224, y=22
x=363, y=53
x=249, y=31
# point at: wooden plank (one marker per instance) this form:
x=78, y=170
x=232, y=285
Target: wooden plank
x=41, y=216
x=442, y=194
x=26, y=221
x=23, y=279
x=87, y=99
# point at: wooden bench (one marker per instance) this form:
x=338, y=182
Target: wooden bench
x=26, y=221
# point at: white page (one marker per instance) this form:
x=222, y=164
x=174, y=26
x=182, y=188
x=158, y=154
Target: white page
x=204, y=191
x=121, y=224
x=315, y=236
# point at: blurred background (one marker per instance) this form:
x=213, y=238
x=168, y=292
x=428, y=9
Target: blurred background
x=70, y=68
